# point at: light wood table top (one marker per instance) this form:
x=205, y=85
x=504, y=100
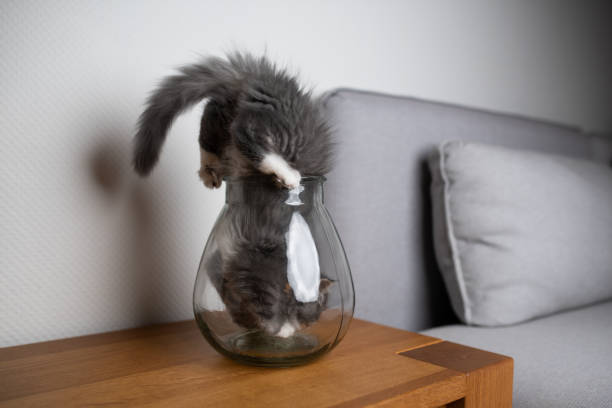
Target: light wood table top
x=171, y=365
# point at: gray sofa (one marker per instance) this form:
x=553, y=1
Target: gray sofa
x=379, y=197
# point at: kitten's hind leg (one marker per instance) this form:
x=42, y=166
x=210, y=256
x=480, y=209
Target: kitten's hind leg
x=251, y=132
x=210, y=169
x=272, y=163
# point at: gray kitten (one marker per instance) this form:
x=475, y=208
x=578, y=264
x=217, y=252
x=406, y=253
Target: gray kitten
x=258, y=119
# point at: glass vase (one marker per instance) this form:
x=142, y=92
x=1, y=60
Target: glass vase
x=274, y=286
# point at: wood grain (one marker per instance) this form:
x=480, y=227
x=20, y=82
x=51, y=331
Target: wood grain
x=488, y=375
x=172, y=365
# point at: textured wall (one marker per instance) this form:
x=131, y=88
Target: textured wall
x=87, y=247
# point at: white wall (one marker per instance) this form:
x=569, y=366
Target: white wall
x=87, y=247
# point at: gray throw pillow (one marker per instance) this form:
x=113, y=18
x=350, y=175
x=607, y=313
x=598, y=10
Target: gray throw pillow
x=520, y=234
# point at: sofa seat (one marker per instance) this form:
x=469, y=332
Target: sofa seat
x=563, y=360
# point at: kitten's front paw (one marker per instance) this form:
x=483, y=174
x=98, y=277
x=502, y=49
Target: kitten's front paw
x=286, y=330
x=210, y=177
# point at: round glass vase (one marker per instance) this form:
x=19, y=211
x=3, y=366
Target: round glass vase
x=274, y=286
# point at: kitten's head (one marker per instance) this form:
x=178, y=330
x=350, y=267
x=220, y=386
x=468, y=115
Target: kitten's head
x=258, y=295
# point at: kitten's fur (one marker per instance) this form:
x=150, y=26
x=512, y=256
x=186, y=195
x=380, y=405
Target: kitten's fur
x=257, y=119
x=249, y=270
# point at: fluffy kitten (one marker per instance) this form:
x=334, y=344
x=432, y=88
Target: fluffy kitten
x=258, y=119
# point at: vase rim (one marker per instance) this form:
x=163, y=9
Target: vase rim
x=258, y=177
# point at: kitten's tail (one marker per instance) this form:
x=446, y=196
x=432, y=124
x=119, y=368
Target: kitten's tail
x=213, y=77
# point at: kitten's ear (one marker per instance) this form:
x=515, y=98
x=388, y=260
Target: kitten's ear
x=213, y=77
x=325, y=284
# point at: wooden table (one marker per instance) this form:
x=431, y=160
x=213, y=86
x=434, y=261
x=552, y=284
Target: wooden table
x=172, y=366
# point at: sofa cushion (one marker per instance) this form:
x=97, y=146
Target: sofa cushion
x=378, y=193
x=559, y=361
x=520, y=234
